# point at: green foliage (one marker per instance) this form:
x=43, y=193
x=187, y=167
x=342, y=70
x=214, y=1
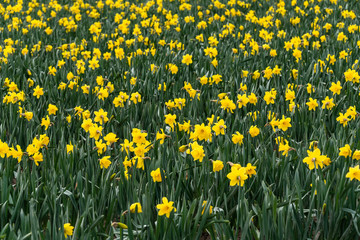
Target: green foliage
x=283, y=200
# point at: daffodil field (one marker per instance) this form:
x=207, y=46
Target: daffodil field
x=179, y=119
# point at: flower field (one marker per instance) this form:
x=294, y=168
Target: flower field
x=179, y=119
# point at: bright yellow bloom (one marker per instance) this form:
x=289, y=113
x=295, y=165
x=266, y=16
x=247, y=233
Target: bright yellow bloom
x=136, y=207
x=204, y=80
x=4, y=149
x=156, y=175
x=335, y=88
x=290, y=95
x=102, y=93
x=133, y=80
x=237, y=176
x=179, y=103
x=314, y=159
x=351, y=112
x=187, y=59
x=127, y=146
x=15, y=153
x=135, y=97
x=138, y=136
x=110, y=138
x=242, y=100
x=68, y=230
x=352, y=75
x=254, y=131
x=37, y=157
x=356, y=155
x=201, y=132
x=345, y=151
x=215, y=78
x=100, y=146
x=268, y=73
x=197, y=151
x=217, y=165
x=312, y=104
x=354, y=173
x=120, y=100
x=219, y=127
x=297, y=54
x=95, y=131
x=270, y=97
x=284, y=123
x=69, y=148
x=328, y=103
x=185, y=126
x=105, y=162
x=94, y=63
x=52, y=70
x=87, y=124
x=52, y=109
x=295, y=73
x=45, y=122
x=101, y=116
x=343, y=119
x=161, y=136
x=166, y=207
x=250, y=170
x=252, y=99
x=170, y=119
x=38, y=92
x=138, y=161
x=237, y=138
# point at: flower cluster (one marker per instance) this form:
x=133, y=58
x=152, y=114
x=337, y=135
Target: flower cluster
x=142, y=101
